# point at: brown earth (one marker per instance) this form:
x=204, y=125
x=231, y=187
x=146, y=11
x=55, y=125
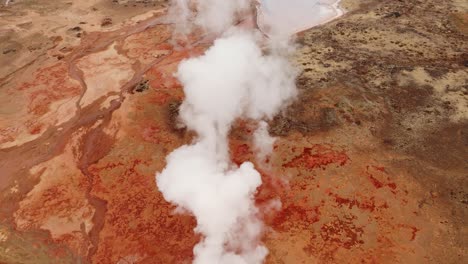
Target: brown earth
x=370, y=165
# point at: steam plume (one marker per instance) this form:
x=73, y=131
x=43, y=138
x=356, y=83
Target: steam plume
x=263, y=141
x=233, y=79
x=215, y=16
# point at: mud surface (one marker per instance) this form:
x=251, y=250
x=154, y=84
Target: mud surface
x=369, y=166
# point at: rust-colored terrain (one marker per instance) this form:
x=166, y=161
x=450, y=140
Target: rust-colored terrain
x=370, y=163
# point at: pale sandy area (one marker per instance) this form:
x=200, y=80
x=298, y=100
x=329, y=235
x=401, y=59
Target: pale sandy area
x=104, y=72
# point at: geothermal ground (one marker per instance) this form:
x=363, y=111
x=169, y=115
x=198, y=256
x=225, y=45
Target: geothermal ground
x=370, y=162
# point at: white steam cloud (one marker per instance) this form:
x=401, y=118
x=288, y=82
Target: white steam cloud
x=233, y=79
x=212, y=15
x=263, y=142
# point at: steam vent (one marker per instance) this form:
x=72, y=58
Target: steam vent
x=233, y=131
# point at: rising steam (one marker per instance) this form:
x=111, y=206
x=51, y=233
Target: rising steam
x=233, y=79
x=212, y=15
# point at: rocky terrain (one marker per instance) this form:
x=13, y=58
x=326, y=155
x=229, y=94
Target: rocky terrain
x=370, y=163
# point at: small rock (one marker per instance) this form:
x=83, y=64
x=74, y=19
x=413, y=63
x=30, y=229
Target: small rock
x=59, y=56
x=9, y=51
x=75, y=29
x=142, y=86
x=66, y=49
x=106, y=22
x=393, y=14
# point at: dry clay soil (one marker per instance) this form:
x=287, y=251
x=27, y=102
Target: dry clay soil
x=370, y=162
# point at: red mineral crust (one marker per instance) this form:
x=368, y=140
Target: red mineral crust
x=318, y=156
